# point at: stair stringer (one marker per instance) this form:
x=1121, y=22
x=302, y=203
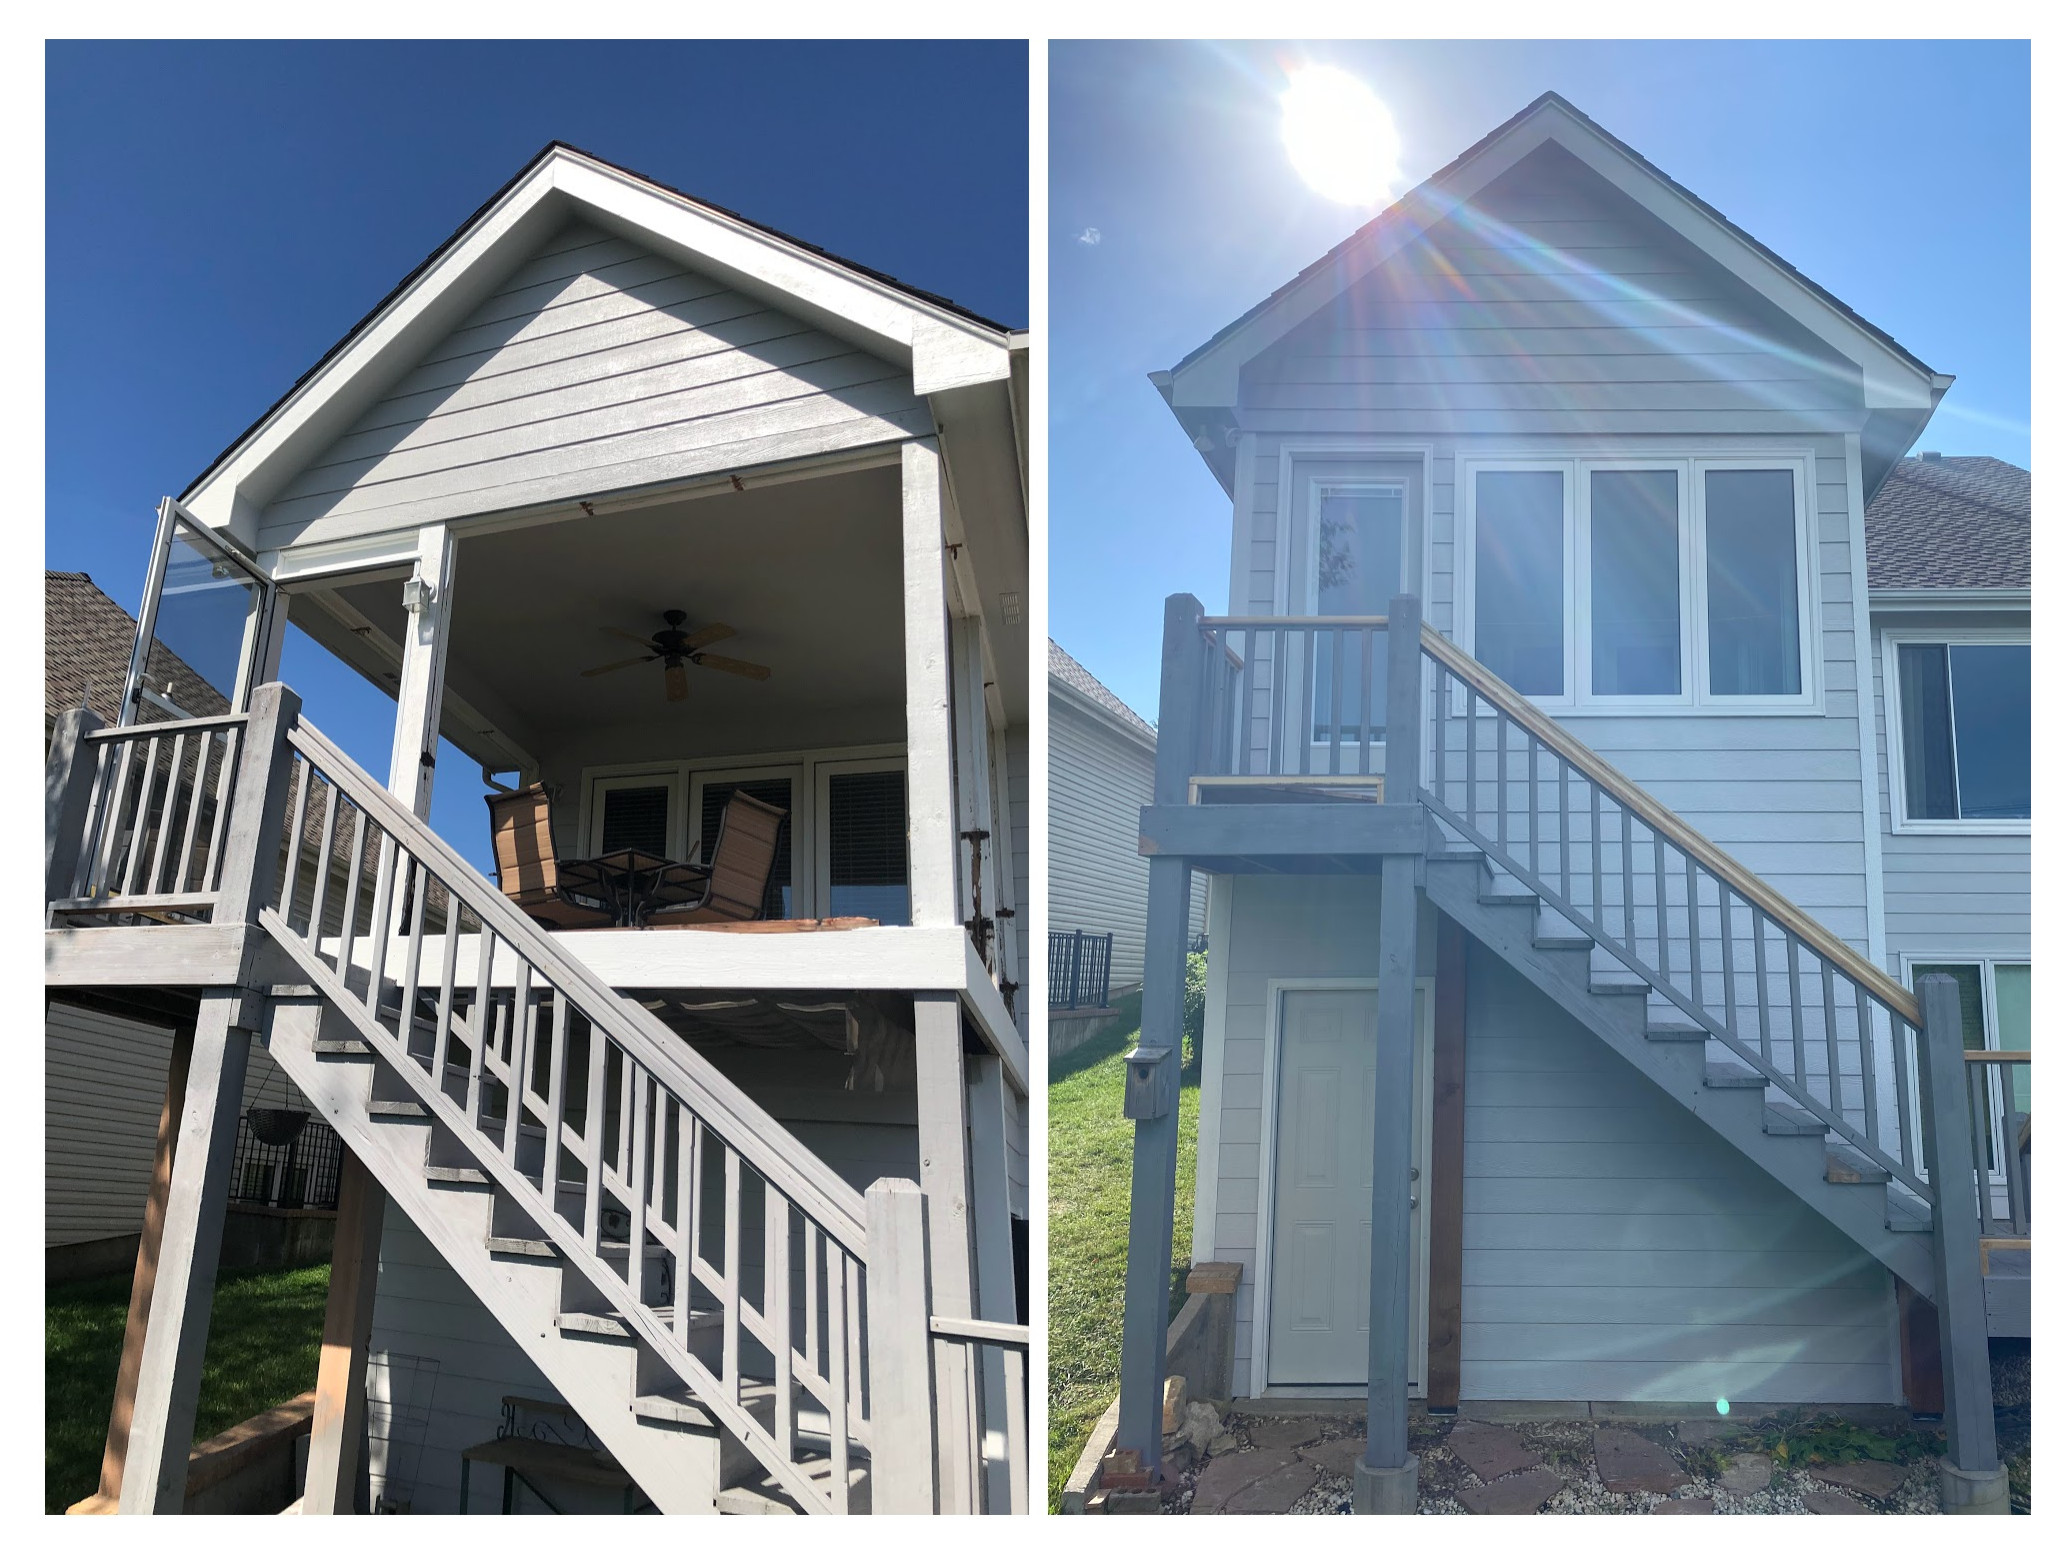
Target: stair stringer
x=1797, y=1163
x=677, y=1469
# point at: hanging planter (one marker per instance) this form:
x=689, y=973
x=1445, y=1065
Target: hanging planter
x=276, y=1127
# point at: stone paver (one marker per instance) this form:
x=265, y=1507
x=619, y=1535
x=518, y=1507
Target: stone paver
x=1702, y=1430
x=1831, y=1501
x=1335, y=1456
x=1518, y=1495
x=1628, y=1463
x=1878, y=1479
x=1492, y=1452
x=1283, y=1433
x=1273, y=1494
x=1228, y=1475
x=1747, y=1474
x=1686, y=1506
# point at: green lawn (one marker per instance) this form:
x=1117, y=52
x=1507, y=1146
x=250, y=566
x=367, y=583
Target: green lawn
x=1090, y=1147
x=264, y=1336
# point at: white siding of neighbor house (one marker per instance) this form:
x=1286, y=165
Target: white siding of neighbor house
x=103, y=1088
x=1948, y=894
x=1607, y=361
x=1099, y=781
x=1615, y=1249
x=597, y=365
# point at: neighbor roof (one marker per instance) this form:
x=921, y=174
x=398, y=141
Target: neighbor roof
x=1952, y=522
x=87, y=637
x=1069, y=673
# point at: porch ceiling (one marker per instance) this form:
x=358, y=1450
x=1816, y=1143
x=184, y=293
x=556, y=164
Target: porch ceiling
x=807, y=572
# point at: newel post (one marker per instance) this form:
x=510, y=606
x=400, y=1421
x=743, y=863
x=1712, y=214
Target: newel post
x=67, y=795
x=903, y=1419
x=1973, y=1481
x=1151, y=1093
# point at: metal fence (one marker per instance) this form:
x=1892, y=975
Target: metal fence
x=299, y=1174
x=1079, y=965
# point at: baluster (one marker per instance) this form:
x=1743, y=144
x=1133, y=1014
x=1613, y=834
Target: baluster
x=1017, y=1429
x=636, y=1184
x=1836, y=1092
x=1727, y=972
x=1660, y=903
x=419, y=882
x=593, y=1140
x=2009, y=1153
x=1595, y=857
x=152, y=883
x=1976, y=1091
x=1275, y=753
x=378, y=933
x=1761, y=995
x=1472, y=809
x=233, y=749
x=1336, y=697
x=1566, y=847
x=135, y=855
x=852, y=1286
x=203, y=744
x=1531, y=794
x=1247, y=715
x=729, y=1348
x=1308, y=659
x=1900, y=1060
x=121, y=757
x=815, y=1252
x=776, y=1312
x=1502, y=785
x=319, y=890
x=686, y=1216
x=838, y=1311
x=1864, y=1043
x=518, y=1077
x=1624, y=828
x=622, y=1158
x=557, y=1098
x=292, y=872
x=1695, y=934
x=449, y=967
x=1796, y=1010
x=1365, y=700
x=481, y=1017
x=1441, y=721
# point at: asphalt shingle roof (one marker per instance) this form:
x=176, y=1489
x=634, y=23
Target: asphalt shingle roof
x=87, y=637
x=1062, y=668
x=1954, y=522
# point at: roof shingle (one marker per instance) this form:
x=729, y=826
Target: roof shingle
x=1062, y=668
x=1953, y=522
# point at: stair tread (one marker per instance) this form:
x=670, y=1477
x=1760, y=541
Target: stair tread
x=1732, y=1077
x=1846, y=1166
x=399, y=1108
x=1674, y=1032
x=445, y=1174
x=1904, y=1212
x=1790, y=1120
x=611, y=1322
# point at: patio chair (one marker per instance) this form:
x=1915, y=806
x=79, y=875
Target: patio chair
x=743, y=857
x=521, y=826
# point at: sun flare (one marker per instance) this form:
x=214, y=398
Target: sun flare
x=1339, y=136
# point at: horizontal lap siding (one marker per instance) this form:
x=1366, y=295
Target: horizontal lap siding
x=1615, y=1249
x=596, y=365
x=1948, y=894
x=1099, y=781
x=103, y=1088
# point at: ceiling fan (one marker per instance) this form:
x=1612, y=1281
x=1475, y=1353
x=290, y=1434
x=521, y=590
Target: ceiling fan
x=676, y=649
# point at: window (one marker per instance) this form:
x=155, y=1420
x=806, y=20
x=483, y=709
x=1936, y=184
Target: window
x=1639, y=583
x=783, y=899
x=1965, y=734
x=863, y=807
x=636, y=811
x=1358, y=570
x=1996, y=1001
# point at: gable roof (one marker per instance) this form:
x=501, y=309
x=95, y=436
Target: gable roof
x=1951, y=522
x=1068, y=674
x=86, y=644
x=944, y=345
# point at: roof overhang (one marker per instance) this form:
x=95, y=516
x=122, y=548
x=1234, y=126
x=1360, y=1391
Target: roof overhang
x=943, y=348
x=1892, y=379
x=1929, y=599
x=1106, y=718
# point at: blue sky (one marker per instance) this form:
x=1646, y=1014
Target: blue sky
x=1894, y=174
x=219, y=214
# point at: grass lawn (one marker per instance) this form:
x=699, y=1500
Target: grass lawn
x=1090, y=1147
x=264, y=1335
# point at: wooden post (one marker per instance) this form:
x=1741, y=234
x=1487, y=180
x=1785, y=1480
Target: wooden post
x=930, y=766
x=67, y=794
x=1446, y=1206
x=1008, y=930
x=1384, y=1483
x=902, y=1387
x=1146, y=1303
x=337, y=1431
x=945, y=1180
x=420, y=690
x=145, y=1279
x=1919, y=1351
x=1972, y=1480
x=993, y=1235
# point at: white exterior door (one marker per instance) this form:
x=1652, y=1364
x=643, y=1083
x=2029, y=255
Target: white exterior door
x=1322, y=1191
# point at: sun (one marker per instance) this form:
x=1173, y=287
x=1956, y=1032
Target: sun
x=1339, y=136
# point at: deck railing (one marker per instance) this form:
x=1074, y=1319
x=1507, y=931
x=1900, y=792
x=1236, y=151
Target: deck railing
x=1080, y=968
x=991, y=1417
x=2000, y=1123
x=1293, y=697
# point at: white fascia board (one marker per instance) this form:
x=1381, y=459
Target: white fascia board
x=1102, y=716
x=942, y=350
x=1926, y=599
x=1888, y=381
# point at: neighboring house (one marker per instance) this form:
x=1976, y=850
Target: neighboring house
x=1101, y=757
x=104, y=1059
x=732, y=1219
x=1625, y=915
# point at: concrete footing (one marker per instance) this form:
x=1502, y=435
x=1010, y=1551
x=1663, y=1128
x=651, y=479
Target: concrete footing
x=1974, y=1492
x=1384, y=1490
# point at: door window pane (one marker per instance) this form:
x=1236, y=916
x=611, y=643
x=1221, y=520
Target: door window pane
x=1635, y=584
x=866, y=846
x=1520, y=579
x=1750, y=540
x=1358, y=570
x=198, y=641
x=1929, y=730
x=635, y=818
x=777, y=903
x=2013, y=986
x=1992, y=687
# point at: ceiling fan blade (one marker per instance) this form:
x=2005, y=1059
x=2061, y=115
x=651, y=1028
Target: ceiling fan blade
x=678, y=683
x=630, y=637
x=711, y=633
x=734, y=667
x=619, y=665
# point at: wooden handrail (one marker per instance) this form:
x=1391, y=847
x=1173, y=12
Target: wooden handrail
x=1998, y=1057
x=1777, y=908
x=1293, y=622
x=171, y=727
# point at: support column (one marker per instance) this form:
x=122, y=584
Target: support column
x=1973, y=1481
x=420, y=691
x=1154, y=1068
x=1446, y=1191
x=930, y=762
x=337, y=1431
x=68, y=775
x=992, y=1232
x=902, y=1389
x=945, y=1180
x=1384, y=1482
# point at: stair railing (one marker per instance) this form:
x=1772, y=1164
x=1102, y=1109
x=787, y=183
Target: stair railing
x=661, y=1183
x=1780, y=991
x=993, y=1425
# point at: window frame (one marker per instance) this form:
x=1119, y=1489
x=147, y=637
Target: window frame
x=1578, y=603
x=1320, y=488
x=598, y=783
x=1987, y=965
x=822, y=825
x=1901, y=822
x=804, y=836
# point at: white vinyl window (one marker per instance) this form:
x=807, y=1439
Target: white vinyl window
x=638, y=811
x=1631, y=584
x=1995, y=997
x=783, y=786
x=861, y=819
x=1959, y=712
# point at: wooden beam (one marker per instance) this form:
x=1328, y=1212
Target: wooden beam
x=945, y=1180
x=902, y=1387
x=1269, y=831
x=146, y=1276
x=166, y=956
x=930, y=764
x=338, y=1430
x=1919, y=1351
x=1447, y=1203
